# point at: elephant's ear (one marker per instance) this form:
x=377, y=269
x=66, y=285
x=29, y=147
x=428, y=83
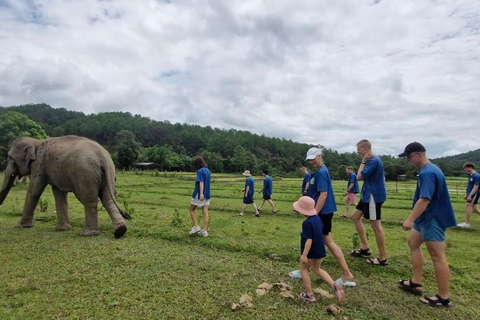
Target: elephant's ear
x=30, y=154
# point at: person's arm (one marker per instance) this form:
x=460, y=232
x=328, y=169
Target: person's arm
x=201, y=185
x=246, y=190
x=321, y=201
x=306, y=250
x=350, y=187
x=363, y=164
x=420, y=206
x=307, y=185
x=472, y=193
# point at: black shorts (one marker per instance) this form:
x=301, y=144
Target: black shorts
x=248, y=199
x=327, y=223
x=267, y=197
x=371, y=210
x=474, y=199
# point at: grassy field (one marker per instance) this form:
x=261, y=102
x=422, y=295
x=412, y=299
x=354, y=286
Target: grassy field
x=157, y=271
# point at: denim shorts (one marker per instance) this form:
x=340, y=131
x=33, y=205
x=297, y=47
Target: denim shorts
x=431, y=231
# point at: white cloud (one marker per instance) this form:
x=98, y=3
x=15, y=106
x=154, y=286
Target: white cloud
x=312, y=71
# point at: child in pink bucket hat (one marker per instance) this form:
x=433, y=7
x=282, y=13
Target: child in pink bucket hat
x=312, y=250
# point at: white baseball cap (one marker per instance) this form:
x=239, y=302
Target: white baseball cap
x=312, y=153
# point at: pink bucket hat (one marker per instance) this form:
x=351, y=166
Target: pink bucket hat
x=306, y=206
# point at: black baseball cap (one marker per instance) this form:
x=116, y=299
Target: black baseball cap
x=412, y=147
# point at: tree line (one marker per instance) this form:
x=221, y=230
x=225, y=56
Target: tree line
x=132, y=138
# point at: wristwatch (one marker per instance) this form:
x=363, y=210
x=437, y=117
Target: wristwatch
x=363, y=162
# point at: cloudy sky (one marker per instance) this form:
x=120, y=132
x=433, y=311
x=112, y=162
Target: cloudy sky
x=320, y=72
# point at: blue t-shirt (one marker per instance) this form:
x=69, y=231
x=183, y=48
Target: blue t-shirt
x=203, y=175
x=352, y=178
x=267, y=186
x=312, y=229
x=373, y=181
x=321, y=182
x=306, y=179
x=431, y=184
x=473, y=180
x=249, y=182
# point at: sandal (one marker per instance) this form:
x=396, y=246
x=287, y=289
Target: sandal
x=257, y=215
x=361, y=252
x=377, y=262
x=412, y=287
x=344, y=216
x=339, y=293
x=274, y=211
x=240, y=215
x=438, y=302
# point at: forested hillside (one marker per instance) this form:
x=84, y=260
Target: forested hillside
x=132, y=138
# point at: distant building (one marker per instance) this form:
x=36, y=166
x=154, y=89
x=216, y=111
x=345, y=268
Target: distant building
x=402, y=177
x=146, y=165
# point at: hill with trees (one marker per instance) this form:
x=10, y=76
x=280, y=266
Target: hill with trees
x=133, y=138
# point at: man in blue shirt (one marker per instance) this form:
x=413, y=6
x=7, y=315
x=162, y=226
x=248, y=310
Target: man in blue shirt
x=321, y=191
x=306, y=180
x=431, y=215
x=248, y=192
x=373, y=195
x=472, y=193
x=267, y=191
x=352, y=190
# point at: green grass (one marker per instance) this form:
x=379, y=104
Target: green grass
x=157, y=271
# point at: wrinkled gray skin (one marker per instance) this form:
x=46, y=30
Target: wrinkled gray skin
x=68, y=164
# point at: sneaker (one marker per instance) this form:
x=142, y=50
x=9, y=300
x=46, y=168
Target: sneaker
x=463, y=225
x=195, y=229
x=203, y=233
x=307, y=297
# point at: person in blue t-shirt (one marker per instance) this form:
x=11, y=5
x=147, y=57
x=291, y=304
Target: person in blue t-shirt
x=472, y=193
x=321, y=192
x=431, y=215
x=312, y=250
x=372, y=197
x=267, y=191
x=248, y=192
x=200, y=196
x=306, y=180
x=351, y=193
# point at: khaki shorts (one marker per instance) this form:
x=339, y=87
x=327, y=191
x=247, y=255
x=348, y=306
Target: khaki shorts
x=200, y=203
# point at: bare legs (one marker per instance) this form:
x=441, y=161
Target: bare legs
x=193, y=215
x=468, y=212
x=270, y=201
x=436, y=249
x=244, y=207
x=377, y=229
x=338, y=255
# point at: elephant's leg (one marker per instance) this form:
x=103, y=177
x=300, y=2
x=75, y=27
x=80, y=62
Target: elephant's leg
x=91, y=219
x=119, y=224
x=34, y=192
x=61, y=204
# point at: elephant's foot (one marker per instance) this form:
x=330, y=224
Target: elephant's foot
x=63, y=227
x=120, y=231
x=90, y=232
x=24, y=224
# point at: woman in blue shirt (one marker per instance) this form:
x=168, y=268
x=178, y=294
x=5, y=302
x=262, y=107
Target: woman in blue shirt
x=200, y=197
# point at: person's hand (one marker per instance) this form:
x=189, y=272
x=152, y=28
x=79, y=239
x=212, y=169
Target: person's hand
x=367, y=156
x=303, y=259
x=407, y=225
x=202, y=197
x=469, y=198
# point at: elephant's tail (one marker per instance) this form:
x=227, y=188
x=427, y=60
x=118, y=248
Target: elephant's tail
x=124, y=214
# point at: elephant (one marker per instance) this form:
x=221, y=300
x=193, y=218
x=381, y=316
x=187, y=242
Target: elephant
x=69, y=164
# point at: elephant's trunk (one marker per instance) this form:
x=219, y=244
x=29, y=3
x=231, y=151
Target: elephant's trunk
x=11, y=174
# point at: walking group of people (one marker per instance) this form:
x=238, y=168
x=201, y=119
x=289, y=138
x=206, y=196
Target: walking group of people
x=431, y=215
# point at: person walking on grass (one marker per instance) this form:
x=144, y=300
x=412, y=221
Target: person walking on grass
x=248, y=192
x=312, y=250
x=267, y=191
x=306, y=180
x=321, y=192
x=200, y=197
x=431, y=215
x=352, y=190
x=472, y=194
x=372, y=197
